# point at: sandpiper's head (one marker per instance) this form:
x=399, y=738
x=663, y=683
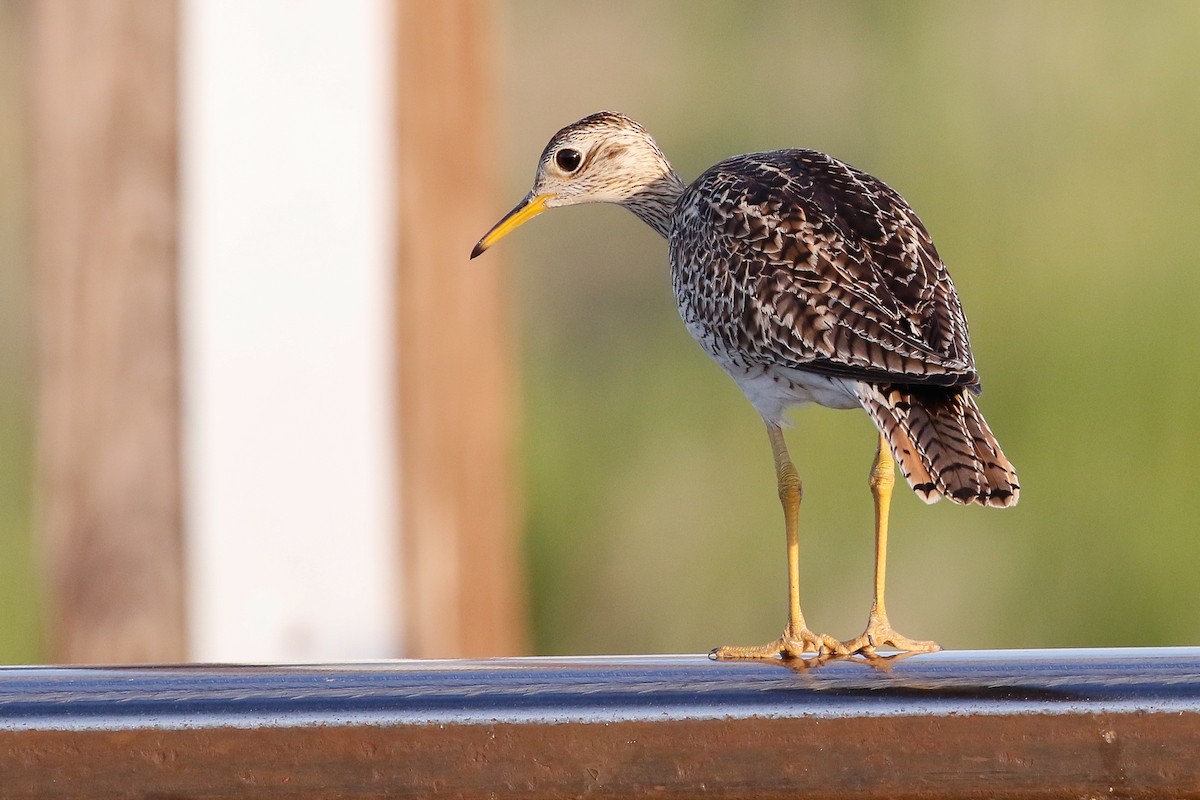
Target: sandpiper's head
x=603, y=158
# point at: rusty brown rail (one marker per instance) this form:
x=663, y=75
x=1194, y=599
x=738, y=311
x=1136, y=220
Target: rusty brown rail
x=1005, y=724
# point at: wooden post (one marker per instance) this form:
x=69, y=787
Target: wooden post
x=461, y=573
x=103, y=113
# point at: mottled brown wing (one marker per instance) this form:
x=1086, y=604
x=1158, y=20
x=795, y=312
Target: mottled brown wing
x=794, y=258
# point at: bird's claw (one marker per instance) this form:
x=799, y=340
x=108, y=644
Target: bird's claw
x=880, y=633
x=793, y=644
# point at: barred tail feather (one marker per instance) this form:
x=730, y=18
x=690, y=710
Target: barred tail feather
x=942, y=443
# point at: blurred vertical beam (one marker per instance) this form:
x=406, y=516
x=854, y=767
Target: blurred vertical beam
x=462, y=579
x=103, y=143
x=287, y=266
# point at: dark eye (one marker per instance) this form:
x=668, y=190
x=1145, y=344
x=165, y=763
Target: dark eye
x=568, y=159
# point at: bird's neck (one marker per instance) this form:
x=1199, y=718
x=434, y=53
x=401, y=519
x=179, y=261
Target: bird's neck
x=655, y=202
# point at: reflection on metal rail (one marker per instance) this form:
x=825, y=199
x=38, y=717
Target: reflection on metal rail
x=1046, y=723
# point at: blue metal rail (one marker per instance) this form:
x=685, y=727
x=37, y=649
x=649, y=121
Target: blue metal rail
x=1047, y=723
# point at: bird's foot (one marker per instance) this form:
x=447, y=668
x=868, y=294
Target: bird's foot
x=794, y=643
x=880, y=633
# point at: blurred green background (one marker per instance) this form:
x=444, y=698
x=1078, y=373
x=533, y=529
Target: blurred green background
x=18, y=622
x=1051, y=149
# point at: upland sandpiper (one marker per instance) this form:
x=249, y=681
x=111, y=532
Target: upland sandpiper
x=808, y=281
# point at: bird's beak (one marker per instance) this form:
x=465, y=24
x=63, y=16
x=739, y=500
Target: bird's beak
x=526, y=210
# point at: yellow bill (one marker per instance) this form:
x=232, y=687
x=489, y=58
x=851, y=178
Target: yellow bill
x=526, y=210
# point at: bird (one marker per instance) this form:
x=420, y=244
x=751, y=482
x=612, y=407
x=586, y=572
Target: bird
x=807, y=281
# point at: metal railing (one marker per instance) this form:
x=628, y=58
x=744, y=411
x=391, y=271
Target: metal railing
x=1012, y=724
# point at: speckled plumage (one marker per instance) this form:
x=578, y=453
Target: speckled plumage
x=810, y=281
x=794, y=259
x=807, y=280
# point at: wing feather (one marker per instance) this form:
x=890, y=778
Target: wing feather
x=806, y=262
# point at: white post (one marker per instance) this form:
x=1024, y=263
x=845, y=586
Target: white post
x=286, y=294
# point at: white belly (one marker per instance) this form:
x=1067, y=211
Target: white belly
x=773, y=390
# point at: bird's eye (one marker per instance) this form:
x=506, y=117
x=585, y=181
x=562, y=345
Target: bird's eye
x=568, y=160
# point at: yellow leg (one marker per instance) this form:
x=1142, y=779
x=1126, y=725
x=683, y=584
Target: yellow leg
x=797, y=638
x=879, y=631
